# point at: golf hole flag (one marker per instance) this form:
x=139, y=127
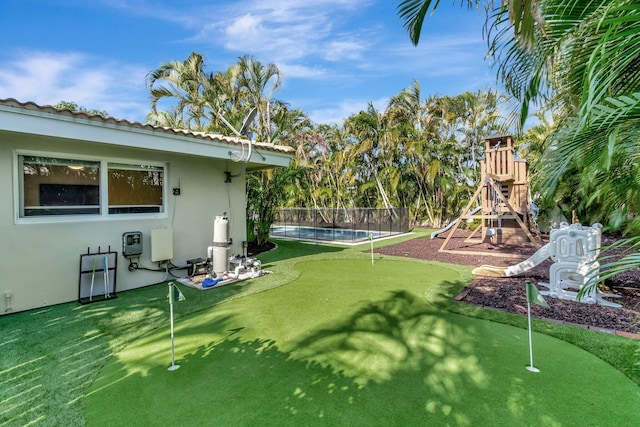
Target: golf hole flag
x=174, y=296
x=533, y=296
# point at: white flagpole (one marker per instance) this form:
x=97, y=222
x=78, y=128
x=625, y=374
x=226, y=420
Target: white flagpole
x=371, y=240
x=530, y=368
x=173, y=366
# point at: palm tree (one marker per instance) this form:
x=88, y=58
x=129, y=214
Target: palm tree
x=585, y=60
x=443, y=157
x=265, y=194
x=202, y=99
x=481, y=117
x=416, y=128
x=598, y=85
x=328, y=177
x=224, y=101
x=183, y=81
x=258, y=82
x=374, y=153
x=287, y=124
x=170, y=118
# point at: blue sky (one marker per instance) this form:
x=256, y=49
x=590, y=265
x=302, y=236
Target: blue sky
x=335, y=56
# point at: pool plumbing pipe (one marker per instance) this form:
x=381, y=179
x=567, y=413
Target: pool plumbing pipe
x=251, y=264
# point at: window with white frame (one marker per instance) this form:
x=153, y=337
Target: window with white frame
x=135, y=188
x=57, y=186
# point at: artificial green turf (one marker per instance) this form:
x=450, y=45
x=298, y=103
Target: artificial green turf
x=348, y=343
x=49, y=357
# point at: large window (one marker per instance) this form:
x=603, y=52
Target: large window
x=135, y=188
x=53, y=186
x=57, y=186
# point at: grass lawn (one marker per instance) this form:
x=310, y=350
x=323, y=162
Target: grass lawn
x=343, y=343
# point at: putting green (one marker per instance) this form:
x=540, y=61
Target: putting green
x=348, y=343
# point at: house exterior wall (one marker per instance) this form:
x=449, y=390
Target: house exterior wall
x=39, y=260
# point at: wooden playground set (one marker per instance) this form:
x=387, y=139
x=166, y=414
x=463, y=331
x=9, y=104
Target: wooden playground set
x=501, y=202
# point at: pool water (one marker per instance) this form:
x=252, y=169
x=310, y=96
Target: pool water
x=325, y=234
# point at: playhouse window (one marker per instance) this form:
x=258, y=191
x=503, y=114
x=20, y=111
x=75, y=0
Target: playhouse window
x=135, y=188
x=55, y=186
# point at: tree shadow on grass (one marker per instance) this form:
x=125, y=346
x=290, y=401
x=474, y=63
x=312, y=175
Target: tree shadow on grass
x=394, y=362
x=403, y=340
x=230, y=382
x=397, y=361
x=425, y=364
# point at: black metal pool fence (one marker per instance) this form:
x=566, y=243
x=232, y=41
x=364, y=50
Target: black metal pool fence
x=346, y=225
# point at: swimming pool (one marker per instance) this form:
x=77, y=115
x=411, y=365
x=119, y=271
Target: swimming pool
x=324, y=234
x=346, y=226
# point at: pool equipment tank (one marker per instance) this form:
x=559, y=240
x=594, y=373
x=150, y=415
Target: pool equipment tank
x=219, y=252
x=219, y=265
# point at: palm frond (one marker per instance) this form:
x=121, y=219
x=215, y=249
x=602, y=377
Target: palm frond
x=413, y=13
x=614, y=124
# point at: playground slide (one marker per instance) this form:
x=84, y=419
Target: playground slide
x=451, y=224
x=491, y=271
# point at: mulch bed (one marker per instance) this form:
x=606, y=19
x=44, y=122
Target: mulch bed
x=508, y=293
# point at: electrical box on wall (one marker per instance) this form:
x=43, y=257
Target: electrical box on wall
x=161, y=244
x=132, y=244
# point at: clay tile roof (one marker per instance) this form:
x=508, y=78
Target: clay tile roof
x=11, y=102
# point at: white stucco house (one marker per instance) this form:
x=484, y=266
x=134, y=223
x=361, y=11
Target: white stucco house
x=76, y=183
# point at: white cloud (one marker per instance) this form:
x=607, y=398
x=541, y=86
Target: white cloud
x=301, y=71
x=344, y=50
x=447, y=59
x=342, y=110
x=47, y=78
x=245, y=27
x=284, y=31
x=268, y=36
x=292, y=32
x=438, y=53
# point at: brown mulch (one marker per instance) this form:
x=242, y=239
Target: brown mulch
x=253, y=248
x=508, y=293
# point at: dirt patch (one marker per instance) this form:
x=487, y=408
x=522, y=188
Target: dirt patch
x=508, y=293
